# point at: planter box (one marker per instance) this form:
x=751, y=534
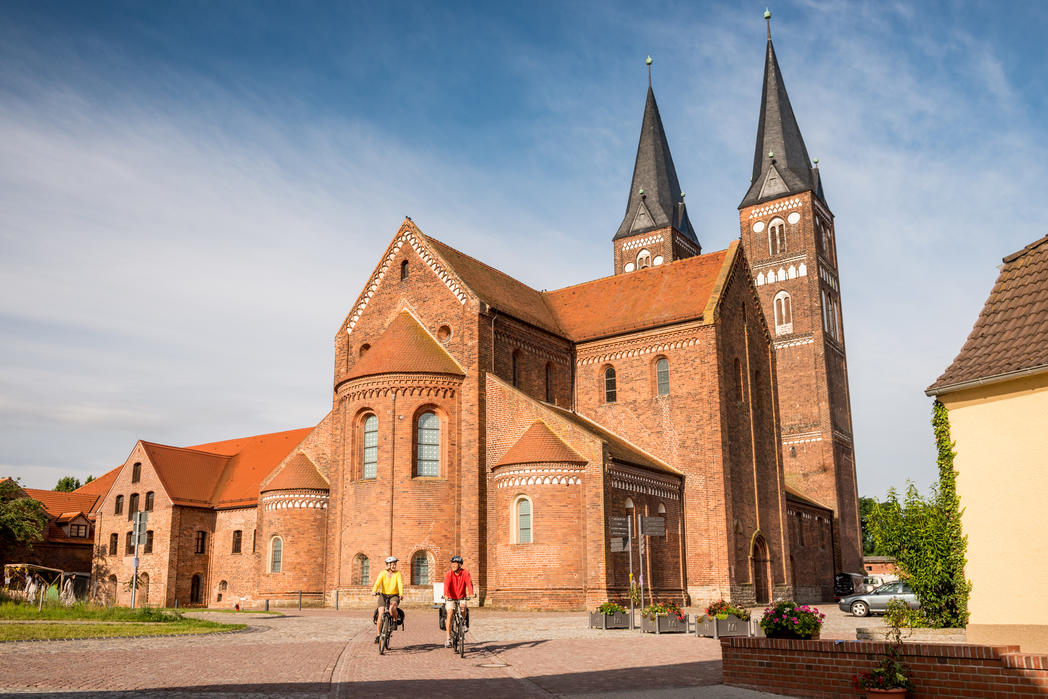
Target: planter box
x=713, y=627
x=667, y=623
x=792, y=636
x=621, y=620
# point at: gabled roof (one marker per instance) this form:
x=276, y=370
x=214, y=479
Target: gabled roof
x=655, y=200
x=673, y=292
x=405, y=347
x=298, y=474
x=55, y=502
x=498, y=289
x=1010, y=336
x=539, y=444
x=189, y=476
x=254, y=458
x=100, y=486
x=780, y=161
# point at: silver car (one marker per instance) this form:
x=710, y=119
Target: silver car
x=876, y=602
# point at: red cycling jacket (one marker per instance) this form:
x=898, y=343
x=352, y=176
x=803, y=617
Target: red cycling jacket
x=457, y=584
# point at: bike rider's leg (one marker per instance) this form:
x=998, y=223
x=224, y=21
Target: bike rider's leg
x=449, y=607
x=465, y=618
x=393, y=602
x=378, y=617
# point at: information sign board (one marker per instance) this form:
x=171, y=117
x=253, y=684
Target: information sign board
x=653, y=526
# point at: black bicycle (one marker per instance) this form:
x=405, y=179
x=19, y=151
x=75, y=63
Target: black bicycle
x=458, y=628
x=386, y=630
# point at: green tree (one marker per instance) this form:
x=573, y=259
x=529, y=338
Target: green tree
x=869, y=546
x=67, y=484
x=22, y=519
x=924, y=536
x=89, y=479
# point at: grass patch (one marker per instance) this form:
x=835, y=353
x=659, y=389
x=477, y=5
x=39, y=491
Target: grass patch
x=17, y=611
x=15, y=631
x=229, y=611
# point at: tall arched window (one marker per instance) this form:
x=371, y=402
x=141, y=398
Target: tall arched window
x=132, y=506
x=516, y=367
x=549, y=382
x=427, y=462
x=113, y=540
x=740, y=389
x=643, y=259
x=238, y=539
x=136, y=472
x=276, y=554
x=522, y=528
x=777, y=237
x=662, y=376
x=148, y=547
x=783, y=313
x=363, y=570
x=149, y=501
x=118, y=508
x=370, y=455
x=403, y=270
x=420, y=568
x=194, y=590
x=129, y=545
x=610, y=392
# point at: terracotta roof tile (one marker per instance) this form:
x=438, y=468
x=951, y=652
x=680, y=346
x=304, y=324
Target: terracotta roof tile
x=406, y=347
x=254, y=458
x=672, y=292
x=100, y=486
x=498, y=289
x=539, y=444
x=298, y=474
x=189, y=476
x=55, y=502
x=1011, y=333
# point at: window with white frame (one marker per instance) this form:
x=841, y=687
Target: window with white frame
x=370, y=447
x=427, y=462
x=522, y=521
x=662, y=376
x=643, y=259
x=783, y=313
x=276, y=554
x=777, y=237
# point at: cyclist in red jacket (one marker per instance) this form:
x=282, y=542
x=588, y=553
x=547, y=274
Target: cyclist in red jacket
x=458, y=587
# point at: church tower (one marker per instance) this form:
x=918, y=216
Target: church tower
x=655, y=229
x=790, y=242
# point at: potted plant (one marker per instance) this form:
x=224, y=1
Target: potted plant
x=890, y=677
x=723, y=618
x=787, y=619
x=609, y=616
x=664, y=617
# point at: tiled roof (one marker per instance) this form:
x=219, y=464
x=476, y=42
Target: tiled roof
x=792, y=493
x=100, y=486
x=672, y=292
x=254, y=458
x=55, y=502
x=1011, y=334
x=619, y=448
x=406, y=347
x=498, y=289
x=189, y=476
x=539, y=444
x=298, y=474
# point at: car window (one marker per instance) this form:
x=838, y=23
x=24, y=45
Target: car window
x=906, y=589
x=889, y=589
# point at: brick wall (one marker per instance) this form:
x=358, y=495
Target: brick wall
x=238, y=570
x=666, y=243
x=827, y=668
x=299, y=519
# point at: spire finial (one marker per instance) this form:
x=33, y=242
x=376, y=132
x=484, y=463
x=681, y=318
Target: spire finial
x=767, y=18
x=648, y=61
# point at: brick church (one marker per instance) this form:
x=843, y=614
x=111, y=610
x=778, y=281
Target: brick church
x=473, y=414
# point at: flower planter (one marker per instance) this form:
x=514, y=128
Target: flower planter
x=664, y=623
x=619, y=620
x=713, y=627
x=795, y=636
x=898, y=692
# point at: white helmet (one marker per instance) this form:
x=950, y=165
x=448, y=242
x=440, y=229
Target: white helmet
x=391, y=559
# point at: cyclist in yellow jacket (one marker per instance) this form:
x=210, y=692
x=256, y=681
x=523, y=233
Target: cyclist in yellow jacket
x=389, y=587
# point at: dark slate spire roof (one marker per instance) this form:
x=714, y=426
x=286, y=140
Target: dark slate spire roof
x=790, y=170
x=661, y=203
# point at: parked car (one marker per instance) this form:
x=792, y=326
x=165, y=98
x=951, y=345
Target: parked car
x=845, y=584
x=876, y=602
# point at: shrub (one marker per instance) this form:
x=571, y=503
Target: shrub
x=889, y=673
x=662, y=609
x=788, y=620
x=721, y=609
x=609, y=608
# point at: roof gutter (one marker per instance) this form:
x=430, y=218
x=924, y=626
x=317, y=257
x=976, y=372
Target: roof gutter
x=989, y=380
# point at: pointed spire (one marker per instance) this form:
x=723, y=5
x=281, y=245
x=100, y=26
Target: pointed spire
x=656, y=200
x=780, y=161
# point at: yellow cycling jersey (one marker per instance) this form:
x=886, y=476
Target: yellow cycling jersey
x=389, y=584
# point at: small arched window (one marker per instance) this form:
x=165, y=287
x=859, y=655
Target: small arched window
x=201, y=542
x=149, y=501
x=629, y=503
x=136, y=472
x=549, y=382
x=740, y=392
x=800, y=528
x=370, y=442
x=118, y=508
x=363, y=570
x=643, y=259
x=148, y=547
x=662, y=509
x=662, y=376
x=132, y=506
x=276, y=554
x=223, y=586
x=403, y=270
x=777, y=237
x=522, y=526
x=427, y=462
x=783, y=313
x=420, y=568
x=515, y=358
x=610, y=392
x=113, y=540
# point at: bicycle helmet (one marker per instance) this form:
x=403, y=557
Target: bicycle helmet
x=456, y=559
x=391, y=559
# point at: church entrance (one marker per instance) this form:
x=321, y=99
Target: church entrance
x=759, y=560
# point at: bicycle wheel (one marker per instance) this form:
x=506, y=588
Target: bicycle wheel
x=462, y=639
x=383, y=634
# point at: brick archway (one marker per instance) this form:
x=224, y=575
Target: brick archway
x=759, y=573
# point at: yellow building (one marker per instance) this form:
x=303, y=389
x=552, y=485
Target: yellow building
x=996, y=392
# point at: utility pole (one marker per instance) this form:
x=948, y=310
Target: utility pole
x=139, y=532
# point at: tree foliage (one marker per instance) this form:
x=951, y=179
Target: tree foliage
x=67, y=484
x=869, y=546
x=22, y=519
x=924, y=536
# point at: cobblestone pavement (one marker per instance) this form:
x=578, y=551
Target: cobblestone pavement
x=332, y=655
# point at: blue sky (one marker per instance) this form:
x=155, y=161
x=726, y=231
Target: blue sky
x=194, y=193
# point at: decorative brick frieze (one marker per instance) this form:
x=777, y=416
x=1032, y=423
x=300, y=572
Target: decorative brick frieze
x=508, y=335
x=775, y=207
x=634, y=481
x=293, y=501
x=638, y=344
x=399, y=384
x=643, y=242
